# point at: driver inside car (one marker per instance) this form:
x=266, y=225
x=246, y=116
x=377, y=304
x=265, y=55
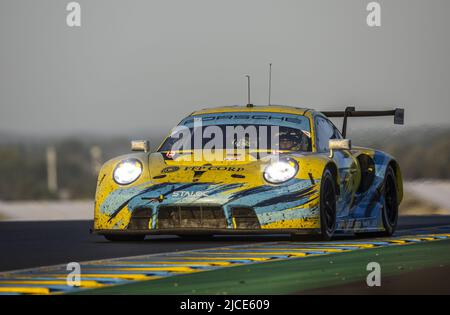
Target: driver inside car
x=293, y=141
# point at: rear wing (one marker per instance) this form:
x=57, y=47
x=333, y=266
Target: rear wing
x=398, y=113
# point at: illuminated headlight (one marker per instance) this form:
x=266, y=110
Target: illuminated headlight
x=280, y=171
x=127, y=171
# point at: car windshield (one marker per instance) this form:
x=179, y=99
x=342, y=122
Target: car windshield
x=238, y=136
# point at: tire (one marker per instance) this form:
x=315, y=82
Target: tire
x=389, y=213
x=327, y=206
x=124, y=238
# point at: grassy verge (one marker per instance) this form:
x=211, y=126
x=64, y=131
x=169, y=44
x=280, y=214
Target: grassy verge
x=290, y=276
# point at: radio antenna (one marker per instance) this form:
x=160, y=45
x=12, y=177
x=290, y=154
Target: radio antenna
x=249, y=104
x=270, y=81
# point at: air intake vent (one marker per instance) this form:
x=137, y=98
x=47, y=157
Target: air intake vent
x=191, y=217
x=140, y=219
x=245, y=218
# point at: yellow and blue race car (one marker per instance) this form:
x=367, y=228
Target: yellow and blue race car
x=282, y=170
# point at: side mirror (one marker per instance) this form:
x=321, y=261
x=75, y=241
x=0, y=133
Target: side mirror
x=339, y=144
x=140, y=145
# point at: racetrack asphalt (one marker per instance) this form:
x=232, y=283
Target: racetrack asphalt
x=33, y=244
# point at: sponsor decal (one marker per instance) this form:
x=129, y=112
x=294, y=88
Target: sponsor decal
x=185, y=193
x=214, y=168
x=197, y=175
x=170, y=169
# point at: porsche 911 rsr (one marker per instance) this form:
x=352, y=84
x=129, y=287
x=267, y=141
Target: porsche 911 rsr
x=311, y=181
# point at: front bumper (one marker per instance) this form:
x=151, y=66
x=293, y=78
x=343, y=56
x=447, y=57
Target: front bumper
x=288, y=207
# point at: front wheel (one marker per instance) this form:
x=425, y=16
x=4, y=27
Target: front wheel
x=124, y=238
x=327, y=206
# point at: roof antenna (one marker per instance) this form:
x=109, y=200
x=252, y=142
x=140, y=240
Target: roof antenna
x=249, y=104
x=270, y=81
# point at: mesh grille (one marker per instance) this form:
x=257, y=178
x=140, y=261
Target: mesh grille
x=245, y=218
x=191, y=217
x=140, y=219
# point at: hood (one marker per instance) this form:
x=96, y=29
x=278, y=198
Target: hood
x=183, y=168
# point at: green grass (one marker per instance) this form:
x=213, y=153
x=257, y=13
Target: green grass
x=295, y=275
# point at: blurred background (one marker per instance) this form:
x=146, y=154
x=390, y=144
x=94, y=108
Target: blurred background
x=73, y=97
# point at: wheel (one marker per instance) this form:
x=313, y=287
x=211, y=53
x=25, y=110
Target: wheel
x=327, y=206
x=124, y=238
x=390, y=207
x=389, y=213
x=195, y=237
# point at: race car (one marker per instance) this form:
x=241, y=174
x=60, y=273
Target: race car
x=283, y=170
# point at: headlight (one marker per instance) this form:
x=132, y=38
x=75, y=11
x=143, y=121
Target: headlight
x=280, y=171
x=127, y=171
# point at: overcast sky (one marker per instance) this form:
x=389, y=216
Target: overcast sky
x=144, y=65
